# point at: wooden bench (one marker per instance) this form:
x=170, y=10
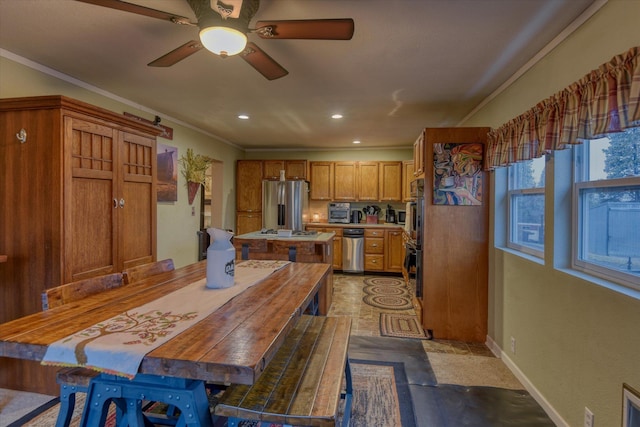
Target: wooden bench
x=75, y=380
x=140, y=272
x=302, y=385
x=74, y=291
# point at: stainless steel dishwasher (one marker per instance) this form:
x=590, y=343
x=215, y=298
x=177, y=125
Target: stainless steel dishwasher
x=353, y=250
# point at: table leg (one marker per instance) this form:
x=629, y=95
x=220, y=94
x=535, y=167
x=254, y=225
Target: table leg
x=189, y=396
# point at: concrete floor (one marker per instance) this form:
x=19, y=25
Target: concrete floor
x=451, y=383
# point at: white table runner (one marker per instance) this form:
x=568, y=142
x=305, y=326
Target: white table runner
x=119, y=344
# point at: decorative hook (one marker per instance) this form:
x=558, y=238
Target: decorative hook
x=22, y=136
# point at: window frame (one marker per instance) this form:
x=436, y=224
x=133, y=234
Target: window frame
x=510, y=226
x=580, y=161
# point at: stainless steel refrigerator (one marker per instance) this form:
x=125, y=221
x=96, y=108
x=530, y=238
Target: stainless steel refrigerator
x=284, y=204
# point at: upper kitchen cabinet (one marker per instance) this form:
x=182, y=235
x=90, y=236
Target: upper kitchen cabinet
x=345, y=181
x=368, y=176
x=418, y=156
x=356, y=181
x=390, y=181
x=293, y=169
x=78, y=197
x=321, y=181
x=407, y=177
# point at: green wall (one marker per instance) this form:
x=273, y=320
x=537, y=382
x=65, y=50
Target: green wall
x=576, y=341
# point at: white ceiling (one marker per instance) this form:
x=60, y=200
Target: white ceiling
x=411, y=64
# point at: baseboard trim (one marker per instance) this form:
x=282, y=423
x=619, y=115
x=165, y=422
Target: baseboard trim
x=544, y=403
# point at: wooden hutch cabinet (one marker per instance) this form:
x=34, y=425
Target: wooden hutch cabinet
x=78, y=196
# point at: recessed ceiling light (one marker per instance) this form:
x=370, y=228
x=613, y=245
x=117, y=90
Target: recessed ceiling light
x=357, y=141
x=336, y=116
x=243, y=117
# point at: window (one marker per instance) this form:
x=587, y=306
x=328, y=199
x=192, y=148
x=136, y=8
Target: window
x=525, y=220
x=606, y=207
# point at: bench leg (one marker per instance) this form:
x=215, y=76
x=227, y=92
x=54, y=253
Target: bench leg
x=347, y=395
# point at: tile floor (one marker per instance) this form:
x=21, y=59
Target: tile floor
x=453, y=362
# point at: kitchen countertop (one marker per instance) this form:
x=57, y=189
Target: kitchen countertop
x=354, y=225
x=319, y=237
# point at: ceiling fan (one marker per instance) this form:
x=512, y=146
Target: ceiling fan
x=233, y=17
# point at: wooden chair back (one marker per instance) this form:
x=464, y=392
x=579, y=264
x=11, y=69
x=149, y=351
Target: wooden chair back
x=143, y=271
x=74, y=291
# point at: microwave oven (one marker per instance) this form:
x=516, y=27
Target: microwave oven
x=339, y=213
x=401, y=217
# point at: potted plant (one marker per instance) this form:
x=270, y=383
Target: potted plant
x=194, y=168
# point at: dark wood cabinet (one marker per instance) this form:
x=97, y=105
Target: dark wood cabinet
x=78, y=196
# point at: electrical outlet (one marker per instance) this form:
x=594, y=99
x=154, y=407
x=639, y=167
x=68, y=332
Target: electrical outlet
x=513, y=345
x=193, y=211
x=588, y=418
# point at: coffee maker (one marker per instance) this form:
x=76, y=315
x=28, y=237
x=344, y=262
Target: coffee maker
x=391, y=215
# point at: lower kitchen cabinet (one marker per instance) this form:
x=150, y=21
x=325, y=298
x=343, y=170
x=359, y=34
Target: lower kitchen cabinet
x=383, y=247
x=337, y=243
x=394, y=250
x=374, y=249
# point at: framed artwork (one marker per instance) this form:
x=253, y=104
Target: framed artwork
x=167, y=185
x=457, y=170
x=630, y=406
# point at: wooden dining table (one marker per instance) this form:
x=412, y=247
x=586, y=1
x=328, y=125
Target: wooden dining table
x=232, y=345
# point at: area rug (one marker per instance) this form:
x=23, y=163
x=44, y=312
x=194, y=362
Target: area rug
x=401, y=326
x=47, y=414
x=387, y=293
x=384, y=281
x=388, y=302
x=386, y=290
x=381, y=395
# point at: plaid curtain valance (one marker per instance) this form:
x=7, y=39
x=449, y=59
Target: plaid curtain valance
x=605, y=100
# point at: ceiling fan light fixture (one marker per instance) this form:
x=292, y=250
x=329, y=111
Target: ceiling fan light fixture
x=223, y=41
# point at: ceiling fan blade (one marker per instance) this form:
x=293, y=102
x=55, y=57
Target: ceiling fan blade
x=177, y=55
x=140, y=10
x=262, y=62
x=322, y=29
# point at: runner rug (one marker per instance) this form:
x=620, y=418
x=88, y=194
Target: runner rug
x=387, y=293
x=401, y=326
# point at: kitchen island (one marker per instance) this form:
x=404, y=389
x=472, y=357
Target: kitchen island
x=313, y=247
